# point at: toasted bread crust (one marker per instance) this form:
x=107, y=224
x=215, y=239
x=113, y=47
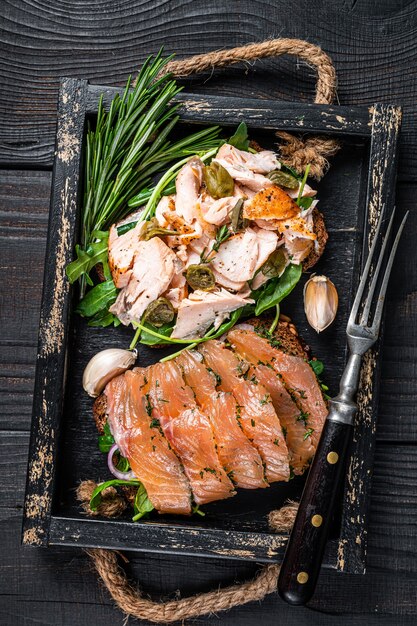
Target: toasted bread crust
x=322, y=237
x=100, y=412
x=287, y=335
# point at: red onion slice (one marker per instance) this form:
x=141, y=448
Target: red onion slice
x=121, y=475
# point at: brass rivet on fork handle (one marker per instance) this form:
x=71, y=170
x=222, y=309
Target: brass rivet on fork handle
x=306, y=545
x=332, y=458
x=302, y=578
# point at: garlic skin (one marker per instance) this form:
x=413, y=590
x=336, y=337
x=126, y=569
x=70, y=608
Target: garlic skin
x=104, y=366
x=320, y=302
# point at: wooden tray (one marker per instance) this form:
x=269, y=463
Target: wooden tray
x=63, y=448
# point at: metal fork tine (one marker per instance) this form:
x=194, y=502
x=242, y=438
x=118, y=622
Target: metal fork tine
x=368, y=303
x=364, y=277
x=381, y=298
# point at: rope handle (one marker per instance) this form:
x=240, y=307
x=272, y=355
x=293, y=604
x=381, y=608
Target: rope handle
x=132, y=602
x=296, y=152
x=308, y=52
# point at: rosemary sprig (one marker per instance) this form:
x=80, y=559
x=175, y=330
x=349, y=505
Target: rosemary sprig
x=130, y=144
x=222, y=235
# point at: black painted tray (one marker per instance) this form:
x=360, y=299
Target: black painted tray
x=63, y=448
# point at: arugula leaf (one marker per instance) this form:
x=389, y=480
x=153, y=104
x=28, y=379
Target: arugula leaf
x=105, y=441
x=142, y=505
x=103, y=319
x=277, y=289
x=86, y=259
x=240, y=138
x=98, y=298
x=95, y=500
x=317, y=366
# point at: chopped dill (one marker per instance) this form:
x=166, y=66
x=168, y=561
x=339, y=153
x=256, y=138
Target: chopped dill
x=265, y=399
x=148, y=405
x=308, y=433
x=303, y=417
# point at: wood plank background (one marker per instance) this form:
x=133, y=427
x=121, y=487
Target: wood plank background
x=373, y=45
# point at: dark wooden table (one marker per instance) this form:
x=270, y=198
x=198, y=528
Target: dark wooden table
x=374, y=46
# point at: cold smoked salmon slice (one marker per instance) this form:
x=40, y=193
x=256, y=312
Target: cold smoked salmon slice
x=151, y=457
x=237, y=455
x=171, y=403
x=297, y=375
x=257, y=415
x=300, y=446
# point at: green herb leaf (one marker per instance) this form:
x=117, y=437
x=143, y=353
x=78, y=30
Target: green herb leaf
x=129, y=144
x=308, y=433
x=222, y=235
x=124, y=228
x=162, y=335
x=98, y=298
x=123, y=464
x=139, y=200
x=86, y=259
x=102, y=319
x=228, y=324
x=142, y=505
x=240, y=138
x=95, y=500
x=317, y=366
x=277, y=289
x=105, y=441
x=150, y=340
x=305, y=202
x=197, y=511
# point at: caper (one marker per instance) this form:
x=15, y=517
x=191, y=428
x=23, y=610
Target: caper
x=275, y=264
x=282, y=179
x=200, y=277
x=153, y=229
x=159, y=312
x=218, y=181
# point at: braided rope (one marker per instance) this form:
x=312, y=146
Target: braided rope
x=295, y=152
x=313, y=55
x=132, y=601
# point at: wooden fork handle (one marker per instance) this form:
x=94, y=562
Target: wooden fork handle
x=303, y=557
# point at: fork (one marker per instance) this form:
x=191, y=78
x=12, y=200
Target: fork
x=304, y=554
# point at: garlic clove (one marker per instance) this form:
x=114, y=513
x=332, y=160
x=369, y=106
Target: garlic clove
x=320, y=302
x=104, y=366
